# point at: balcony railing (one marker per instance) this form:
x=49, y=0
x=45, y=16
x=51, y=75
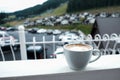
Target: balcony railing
x=107, y=44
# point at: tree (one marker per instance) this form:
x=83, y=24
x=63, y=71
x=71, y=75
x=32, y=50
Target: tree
x=2, y=17
x=78, y=5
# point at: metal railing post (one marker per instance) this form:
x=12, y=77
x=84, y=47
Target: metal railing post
x=22, y=42
x=44, y=47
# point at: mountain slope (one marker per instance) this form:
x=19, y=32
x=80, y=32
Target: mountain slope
x=38, y=9
x=62, y=10
x=56, y=12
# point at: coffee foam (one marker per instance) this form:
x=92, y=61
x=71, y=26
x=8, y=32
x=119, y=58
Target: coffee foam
x=78, y=47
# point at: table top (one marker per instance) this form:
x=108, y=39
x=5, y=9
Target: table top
x=53, y=66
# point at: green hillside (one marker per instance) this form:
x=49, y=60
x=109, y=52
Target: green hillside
x=39, y=9
x=62, y=10
x=56, y=12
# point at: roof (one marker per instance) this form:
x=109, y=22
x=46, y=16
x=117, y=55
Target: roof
x=108, y=25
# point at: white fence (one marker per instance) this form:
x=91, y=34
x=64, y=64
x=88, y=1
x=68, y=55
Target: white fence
x=107, y=44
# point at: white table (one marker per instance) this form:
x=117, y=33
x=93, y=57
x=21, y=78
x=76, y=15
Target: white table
x=53, y=66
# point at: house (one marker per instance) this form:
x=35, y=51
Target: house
x=108, y=26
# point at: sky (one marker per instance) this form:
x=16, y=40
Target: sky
x=15, y=5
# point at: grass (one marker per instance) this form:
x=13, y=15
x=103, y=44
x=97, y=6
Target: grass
x=112, y=9
x=56, y=12
x=15, y=23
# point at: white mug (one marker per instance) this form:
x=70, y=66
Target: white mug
x=78, y=55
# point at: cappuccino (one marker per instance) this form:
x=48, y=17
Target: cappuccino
x=78, y=47
x=78, y=55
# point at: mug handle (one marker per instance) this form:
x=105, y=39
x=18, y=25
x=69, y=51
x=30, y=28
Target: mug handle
x=96, y=50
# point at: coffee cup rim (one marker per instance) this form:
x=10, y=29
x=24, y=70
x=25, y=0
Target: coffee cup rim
x=91, y=48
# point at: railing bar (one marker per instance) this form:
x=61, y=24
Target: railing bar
x=13, y=54
x=67, y=41
x=115, y=44
x=3, y=57
x=118, y=50
x=34, y=40
x=53, y=43
x=44, y=47
x=73, y=40
x=99, y=44
x=22, y=38
x=34, y=51
x=106, y=47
